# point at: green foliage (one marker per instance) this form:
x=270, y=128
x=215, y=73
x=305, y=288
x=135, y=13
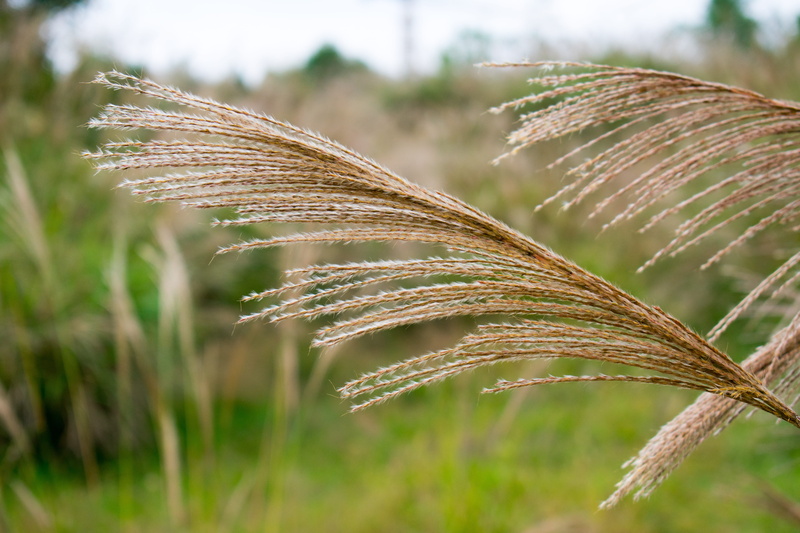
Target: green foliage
x=727, y=20
x=327, y=63
x=46, y=6
x=543, y=466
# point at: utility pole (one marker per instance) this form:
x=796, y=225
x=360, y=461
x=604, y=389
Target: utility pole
x=407, y=32
x=408, y=37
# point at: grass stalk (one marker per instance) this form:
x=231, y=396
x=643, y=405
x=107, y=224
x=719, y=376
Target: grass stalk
x=25, y=218
x=267, y=170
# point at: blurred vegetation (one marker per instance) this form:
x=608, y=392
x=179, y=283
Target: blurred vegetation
x=727, y=20
x=327, y=63
x=128, y=401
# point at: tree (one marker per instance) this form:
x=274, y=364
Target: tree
x=726, y=19
x=328, y=63
x=27, y=73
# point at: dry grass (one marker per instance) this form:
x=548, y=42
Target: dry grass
x=740, y=147
x=707, y=416
x=270, y=171
x=676, y=131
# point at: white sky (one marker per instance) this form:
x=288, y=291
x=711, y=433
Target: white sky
x=214, y=39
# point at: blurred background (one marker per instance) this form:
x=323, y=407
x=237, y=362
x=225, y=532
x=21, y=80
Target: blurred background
x=130, y=402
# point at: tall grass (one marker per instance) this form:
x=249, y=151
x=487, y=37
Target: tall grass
x=678, y=130
x=271, y=171
x=440, y=458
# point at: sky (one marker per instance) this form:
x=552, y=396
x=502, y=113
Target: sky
x=248, y=38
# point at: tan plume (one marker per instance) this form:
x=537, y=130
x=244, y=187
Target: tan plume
x=742, y=147
x=271, y=171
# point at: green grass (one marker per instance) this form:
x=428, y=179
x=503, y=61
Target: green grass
x=437, y=461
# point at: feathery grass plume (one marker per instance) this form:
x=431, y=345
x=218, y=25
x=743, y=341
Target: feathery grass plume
x=682, y=130
x=707, y=416
x=270, y=171
x=777, y=364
